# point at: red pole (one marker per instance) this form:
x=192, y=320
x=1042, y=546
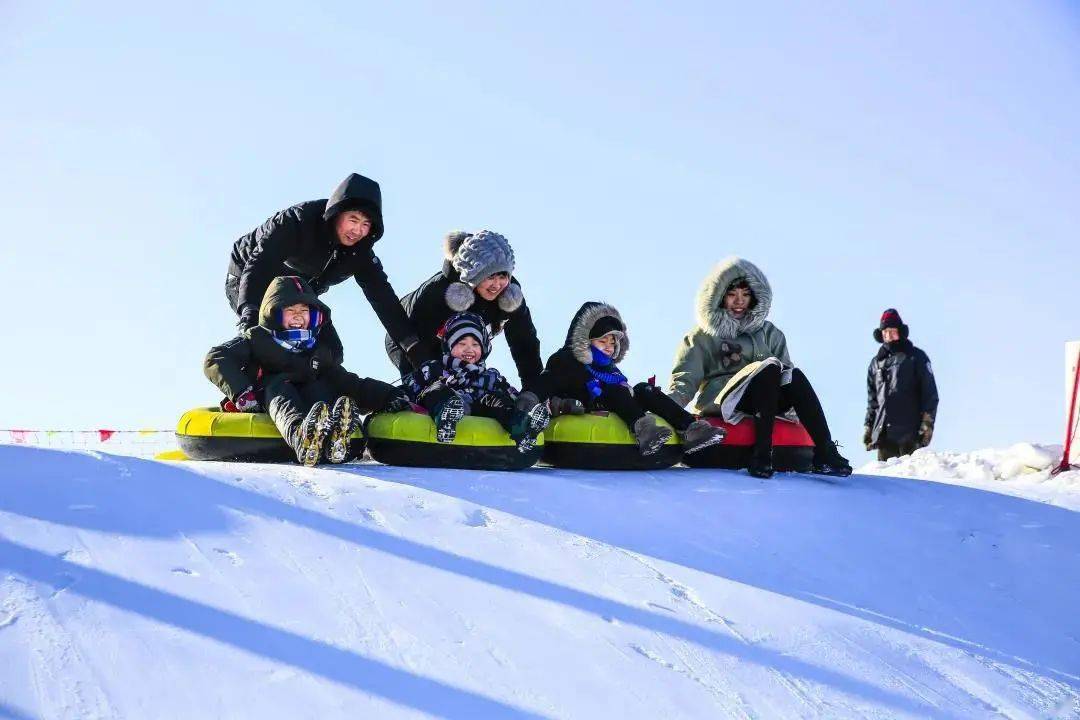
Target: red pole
x=1070, y=428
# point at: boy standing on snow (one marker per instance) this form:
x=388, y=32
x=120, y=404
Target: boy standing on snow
x=290, y=363
x=902, y=396
x=467, y=387
x=585, y=370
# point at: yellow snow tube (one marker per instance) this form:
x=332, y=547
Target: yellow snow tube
x=209, y=434
x=408, y=438
x=602, y=441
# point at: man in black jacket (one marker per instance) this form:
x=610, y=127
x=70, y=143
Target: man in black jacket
x=902, y=396
x=324, y=242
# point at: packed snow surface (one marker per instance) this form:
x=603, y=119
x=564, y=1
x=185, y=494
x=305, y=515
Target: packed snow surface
x=131, y=588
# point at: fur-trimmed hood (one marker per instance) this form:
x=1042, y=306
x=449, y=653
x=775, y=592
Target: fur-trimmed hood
x=712, y=318
x=585, y=319
x=460, y=296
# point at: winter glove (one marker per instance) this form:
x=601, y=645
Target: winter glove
x=926, y=429
x=246, y=402
x=730, y=354
x=397, y=402
x=417, y=352
x=249, y=318
x=866, y=441
x=428, y=372
x=526, y=401
x=565, y=406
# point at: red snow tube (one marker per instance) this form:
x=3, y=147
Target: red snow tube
x=793, y=450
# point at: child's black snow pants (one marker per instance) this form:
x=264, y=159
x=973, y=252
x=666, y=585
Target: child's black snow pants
x=632, y=406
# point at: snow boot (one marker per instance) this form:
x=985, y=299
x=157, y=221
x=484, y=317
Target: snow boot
x=699, y=435
x=761, y=464
x=313, y=432
x=446, y=417
x=528, y=426
x=343, y=423
x=830, y=462
x=650, y=436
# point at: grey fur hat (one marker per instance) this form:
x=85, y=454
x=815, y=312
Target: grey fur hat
x=477, y=256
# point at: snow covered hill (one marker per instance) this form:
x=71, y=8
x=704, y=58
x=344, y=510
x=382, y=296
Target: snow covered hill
x=137, y=589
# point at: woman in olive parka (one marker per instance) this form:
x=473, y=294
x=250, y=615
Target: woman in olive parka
x=737, y=364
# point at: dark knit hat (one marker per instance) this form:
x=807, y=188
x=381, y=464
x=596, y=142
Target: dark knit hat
x=891, y=319
x=605, y=325
x=462, y=324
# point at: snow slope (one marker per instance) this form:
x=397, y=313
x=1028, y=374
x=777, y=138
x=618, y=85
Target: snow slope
x=134, y=589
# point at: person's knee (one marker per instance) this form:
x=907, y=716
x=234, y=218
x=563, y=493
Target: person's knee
x=644, y=388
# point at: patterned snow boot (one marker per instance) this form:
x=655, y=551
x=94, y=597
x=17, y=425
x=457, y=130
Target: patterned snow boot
x=343, y=423
x=313, y=432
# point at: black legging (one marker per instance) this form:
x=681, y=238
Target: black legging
x=765, y=398
x=645, y=398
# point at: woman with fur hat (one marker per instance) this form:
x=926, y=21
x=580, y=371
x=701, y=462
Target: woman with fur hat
x=902, y=395
x=736, y=363
x=585, y=370
x=477, y=276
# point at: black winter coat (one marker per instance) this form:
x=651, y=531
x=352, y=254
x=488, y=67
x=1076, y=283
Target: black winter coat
x=253, y=357
x=427, y=309
x=900, y=387
x=301, y=240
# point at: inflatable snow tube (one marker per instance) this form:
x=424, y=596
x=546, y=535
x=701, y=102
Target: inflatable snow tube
x=601, y=441
x=408, y=438
x=209, y=434
x=793, y=450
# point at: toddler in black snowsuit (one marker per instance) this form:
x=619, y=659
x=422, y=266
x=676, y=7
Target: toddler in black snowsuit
x=465, y=386
x=585, y=370
x=290, y=363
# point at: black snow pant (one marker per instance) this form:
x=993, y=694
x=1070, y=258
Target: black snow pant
x=631, y=407
x=765, y=398
x=887, y=449
x=288, y=403
x=494, y=405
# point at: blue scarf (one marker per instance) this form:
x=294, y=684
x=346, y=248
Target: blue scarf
x=609, y=376
x=298, y=341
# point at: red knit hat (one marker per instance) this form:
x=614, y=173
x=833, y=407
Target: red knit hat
x=891, y=319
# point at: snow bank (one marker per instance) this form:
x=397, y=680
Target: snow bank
x=1022, y=470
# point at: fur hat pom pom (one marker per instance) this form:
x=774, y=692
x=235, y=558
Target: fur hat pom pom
x=510, y=298
x=453, y=241
x=459, y=296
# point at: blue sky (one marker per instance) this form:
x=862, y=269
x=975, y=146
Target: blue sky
x=918, y=155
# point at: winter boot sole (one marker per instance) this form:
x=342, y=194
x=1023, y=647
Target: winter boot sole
x=714, y=439
x=343, y=423
x=313, y=435
x=446, y=424
x=538, y=419
x=653, y=446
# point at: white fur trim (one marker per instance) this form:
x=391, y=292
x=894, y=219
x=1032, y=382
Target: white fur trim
x=713, y=318
x=459, y=296
x=583, y=325
x=510, y=298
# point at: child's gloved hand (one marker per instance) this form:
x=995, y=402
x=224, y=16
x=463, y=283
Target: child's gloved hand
x=249, y=318
x=246, y=401
x=429, y=372
x=565, y=406
x=526, y=401
x=730, y=353
x=397, y=402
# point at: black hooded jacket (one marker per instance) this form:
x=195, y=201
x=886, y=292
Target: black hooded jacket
x=900, y=387
x=252, y=358
x=565, y=374
x=427, y=309
x=301, y=240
